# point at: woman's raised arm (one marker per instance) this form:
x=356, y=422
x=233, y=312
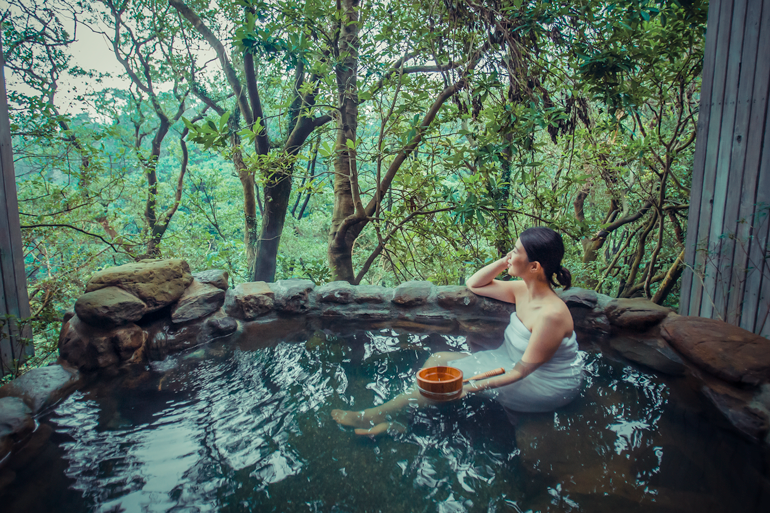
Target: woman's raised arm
x=483, y=282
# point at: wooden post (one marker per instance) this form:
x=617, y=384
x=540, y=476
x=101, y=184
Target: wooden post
x=728, y=239
x=14, y=302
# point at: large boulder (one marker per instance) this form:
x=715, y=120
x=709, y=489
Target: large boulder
x=85, y=346
x=217, y=277
x=42, y=387
x=455, y=296
x=577, y=297
x=109, y=307
x=372, y=294
x=248, y=301
x=340, y=292
x=412, y=293
x=199, y=300
x=723, y=350
x=156, y=282
x=291, y=296
x=635, y=314
x=89, y=348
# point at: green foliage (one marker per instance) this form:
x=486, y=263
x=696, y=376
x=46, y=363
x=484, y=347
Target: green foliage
x=579, y=114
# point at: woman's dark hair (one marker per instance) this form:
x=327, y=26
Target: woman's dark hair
x=545, y=246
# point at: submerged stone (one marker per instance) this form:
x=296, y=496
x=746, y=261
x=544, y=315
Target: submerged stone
x=216, y=277
x=221, y=326
x=412, y=293
x=15, y=423
x=156, y=282
x=199, y=300
x=109, y=307
x=42, y=387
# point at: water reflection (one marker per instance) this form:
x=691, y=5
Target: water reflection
x=234, y=430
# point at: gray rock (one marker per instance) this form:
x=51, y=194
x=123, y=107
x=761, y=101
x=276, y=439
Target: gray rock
x=453, y=296
x=15, y=423
x=248, y=301
x=372, y=294
x=156, y=282
x=575, y=296
x=127, y=340
x=635, y=314
x=291, y=296
x=199, y=300
x=165, y=338
x=85, y=346
x=340, y=292
x=412, y=293
x=42, y=387
x=221, y=326
x=654, y=353
x=216, y=277
x=109, y=307
x=494, y=307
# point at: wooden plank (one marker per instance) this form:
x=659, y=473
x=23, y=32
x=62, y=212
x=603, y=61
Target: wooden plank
x=714, y=275
x=710, y=164
x=746, y=286
x=729, y=285
x=758, y=290
x=704, y=114
x=14, y=281
x=6, y=352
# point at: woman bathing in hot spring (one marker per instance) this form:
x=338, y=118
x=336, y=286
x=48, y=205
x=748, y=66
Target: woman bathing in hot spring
x=544, y=371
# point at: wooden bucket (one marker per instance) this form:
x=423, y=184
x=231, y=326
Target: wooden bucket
x=440, y=383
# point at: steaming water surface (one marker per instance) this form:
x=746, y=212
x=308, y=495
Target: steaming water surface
x=219, y=429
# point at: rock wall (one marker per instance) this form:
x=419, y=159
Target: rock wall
x=144, y=311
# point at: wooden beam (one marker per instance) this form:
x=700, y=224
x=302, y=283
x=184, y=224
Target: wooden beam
x=13, y=282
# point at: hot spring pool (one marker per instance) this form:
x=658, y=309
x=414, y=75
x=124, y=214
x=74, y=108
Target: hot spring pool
x=246, y=427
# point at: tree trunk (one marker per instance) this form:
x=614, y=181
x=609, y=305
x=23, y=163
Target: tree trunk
x=346, y=172
x=277, y=191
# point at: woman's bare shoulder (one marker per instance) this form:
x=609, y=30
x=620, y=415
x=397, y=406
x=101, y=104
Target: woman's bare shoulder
x=557, y=316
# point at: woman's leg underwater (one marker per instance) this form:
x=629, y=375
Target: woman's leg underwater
x=375, y=420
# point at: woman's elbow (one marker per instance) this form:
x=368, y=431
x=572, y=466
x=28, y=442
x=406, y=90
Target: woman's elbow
x=473, y=287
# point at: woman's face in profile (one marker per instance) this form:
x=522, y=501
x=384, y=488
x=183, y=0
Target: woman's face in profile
x=517, y=259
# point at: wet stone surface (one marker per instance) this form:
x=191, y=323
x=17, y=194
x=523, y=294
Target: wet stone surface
x=42, y=387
